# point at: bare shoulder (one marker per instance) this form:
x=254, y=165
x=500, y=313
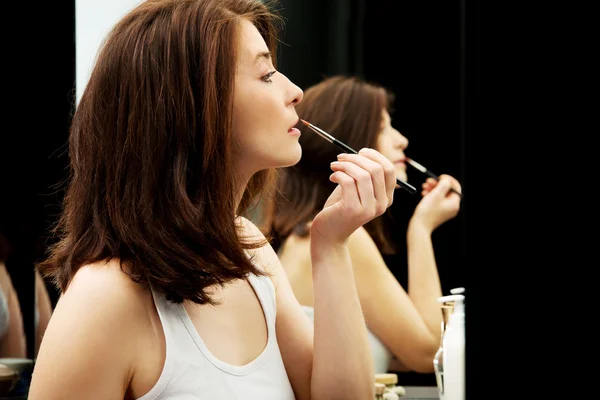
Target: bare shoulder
x=101, y=294
x=104, y=287
x=250, y=227
x=103, y=274
x=95, y=319
x=250, y=230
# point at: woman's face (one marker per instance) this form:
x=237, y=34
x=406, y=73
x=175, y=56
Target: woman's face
x=391, y=143
x=264, y=112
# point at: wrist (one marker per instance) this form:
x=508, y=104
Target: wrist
x=326, y=242
x=418, y=227
x=322, y=249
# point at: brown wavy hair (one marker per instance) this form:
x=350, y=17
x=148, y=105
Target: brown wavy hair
x=151, y=180
x=349, y=108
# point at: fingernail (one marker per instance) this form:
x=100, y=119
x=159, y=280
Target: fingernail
x=335, y=163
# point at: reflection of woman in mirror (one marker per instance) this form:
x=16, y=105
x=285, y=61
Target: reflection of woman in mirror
x=403, y=324
x=12, y=335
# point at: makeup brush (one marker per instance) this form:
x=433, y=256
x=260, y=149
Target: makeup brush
x=404, y=185
x=424, y=170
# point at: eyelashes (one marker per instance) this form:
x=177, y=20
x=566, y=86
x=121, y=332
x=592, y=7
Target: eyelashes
x=267, y=77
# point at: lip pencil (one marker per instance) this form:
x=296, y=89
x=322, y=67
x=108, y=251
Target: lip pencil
x=404, y=185
x=424, y=170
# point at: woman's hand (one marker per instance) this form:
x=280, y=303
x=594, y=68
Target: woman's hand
x=438, y=204
x=366, y=183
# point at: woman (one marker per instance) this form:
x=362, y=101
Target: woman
x=403, y=324
x=167, y=291
x=12, y=334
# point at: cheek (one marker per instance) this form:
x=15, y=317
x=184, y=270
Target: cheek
x=238, y=116
x=246, y=119
x=246, y=102
x=382, y=146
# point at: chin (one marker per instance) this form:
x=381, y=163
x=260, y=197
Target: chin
x=290, y=158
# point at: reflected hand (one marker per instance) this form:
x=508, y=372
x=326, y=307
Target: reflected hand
x=438, y=204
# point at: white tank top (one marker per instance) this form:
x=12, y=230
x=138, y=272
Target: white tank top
x=192, y=372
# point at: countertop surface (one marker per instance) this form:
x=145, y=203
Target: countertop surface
x=420, y=393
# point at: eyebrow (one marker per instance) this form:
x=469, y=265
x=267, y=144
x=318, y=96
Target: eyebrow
x=263, y=54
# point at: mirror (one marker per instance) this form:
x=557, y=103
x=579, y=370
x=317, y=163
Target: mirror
x=412, y=48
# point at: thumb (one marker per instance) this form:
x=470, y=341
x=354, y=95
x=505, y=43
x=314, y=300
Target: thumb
x=442, y=188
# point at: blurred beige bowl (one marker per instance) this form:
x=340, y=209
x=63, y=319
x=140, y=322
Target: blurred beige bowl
x=11, y=370
x=17, y=364
x=8, y=379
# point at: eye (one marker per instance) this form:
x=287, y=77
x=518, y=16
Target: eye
x=267, y=77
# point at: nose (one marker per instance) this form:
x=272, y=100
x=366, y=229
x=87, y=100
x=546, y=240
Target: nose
x=295, y=94
x=400, y=141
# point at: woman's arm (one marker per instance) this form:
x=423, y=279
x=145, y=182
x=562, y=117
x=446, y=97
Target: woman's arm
x=424, y=285
x=389, y=311
x=437, y=206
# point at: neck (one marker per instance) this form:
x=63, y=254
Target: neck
x=242, y=184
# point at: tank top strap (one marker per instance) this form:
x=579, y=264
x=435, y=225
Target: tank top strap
x=169, y=315
x=265, y=291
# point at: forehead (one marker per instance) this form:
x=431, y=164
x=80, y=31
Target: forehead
x=251, y=44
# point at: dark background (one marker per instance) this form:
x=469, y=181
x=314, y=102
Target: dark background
x=416, y=49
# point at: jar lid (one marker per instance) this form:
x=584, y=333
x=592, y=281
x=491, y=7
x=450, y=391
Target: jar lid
x=6, y=373
x=386, y=379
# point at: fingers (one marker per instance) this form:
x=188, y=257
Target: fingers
x=378, y=178
x=428, y=185
x=374, y=179
x=431, y=183
x=348, y=185
x=453, y=182
x=388, y=170
x=442, y=188
x=362, y=180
